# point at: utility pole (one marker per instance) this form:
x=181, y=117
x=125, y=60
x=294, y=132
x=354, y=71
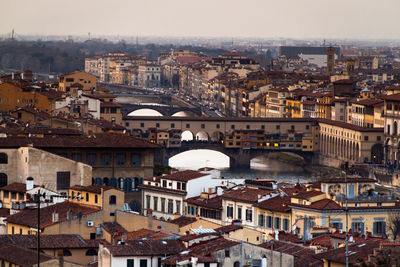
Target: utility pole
x=347, y=221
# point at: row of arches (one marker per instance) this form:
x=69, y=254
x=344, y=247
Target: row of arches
x=127, y=184
x=187, y=135
x=339, y=148
x=155, y=113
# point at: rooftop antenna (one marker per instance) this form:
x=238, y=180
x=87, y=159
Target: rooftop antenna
x=324, y=42
x=232, y=42
x=12, y=34
x=137, y=42
x=89, y=35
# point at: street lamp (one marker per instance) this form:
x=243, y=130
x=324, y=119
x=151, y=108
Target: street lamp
x=347, y=224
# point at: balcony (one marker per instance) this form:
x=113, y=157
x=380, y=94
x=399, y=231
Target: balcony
x=385, y=198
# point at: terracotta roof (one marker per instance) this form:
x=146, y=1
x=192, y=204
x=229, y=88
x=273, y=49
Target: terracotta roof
x=277, y=203
x=349, y=180
x=109, y=105
x=113, y=227
x=323, y=204
x=212, y=203
x=147, y=248
x=349, y=126
x=29, y=217
x=356, y=252
x=112, y=140
x=183, y=221
x=30, y=109
x=92, y=188
x=303, y=256
x=228, y=228
x=52, y=94
x=15, y=187
x=207, y=248
x=368, y=102
x=139, y=234
x=308, y=194
x=290, y=191
x=246, y=194
x=21, y=256
x=183, y=176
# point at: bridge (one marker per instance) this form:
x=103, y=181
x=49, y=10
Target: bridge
x=165, y=110
x=238, y=157
x=258, y=136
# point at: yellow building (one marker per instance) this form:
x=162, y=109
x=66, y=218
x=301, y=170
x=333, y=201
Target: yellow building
x=163, y=138
x=13, y=96
x=96, y=195
x=14, y=192
x=87, y=80
x=293, y=108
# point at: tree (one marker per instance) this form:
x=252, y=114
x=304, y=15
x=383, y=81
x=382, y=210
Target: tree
x=394, y=224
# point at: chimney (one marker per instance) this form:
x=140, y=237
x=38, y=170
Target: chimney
x=29, y=183
x=54, y=217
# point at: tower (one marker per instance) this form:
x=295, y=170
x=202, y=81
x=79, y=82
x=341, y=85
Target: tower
x=330, y=62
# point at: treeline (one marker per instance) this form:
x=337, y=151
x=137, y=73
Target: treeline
x=65, y=56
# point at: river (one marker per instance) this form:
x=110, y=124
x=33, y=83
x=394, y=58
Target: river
x=261, y=167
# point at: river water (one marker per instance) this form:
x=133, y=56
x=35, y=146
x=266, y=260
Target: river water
x=261, y=167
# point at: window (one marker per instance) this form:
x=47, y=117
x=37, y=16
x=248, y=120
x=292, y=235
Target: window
x=130, y=263
x=142, y=124
x=178, y=185
x=95, y=199
x=277, y=223
x=261, y=220
x=178, y=206
x=91, y=252
x=87, y=197
x=66, y=252
x=203, y=126
x=249, y=215
x=164, y=183
x=120, y=159
x=227, y=253
x=113, y=200
x=63, y=180
x=236, y=264
x=269, y=221
x=229, y=211
x=217, y=126
x=12, y=230
x=163, y=204
x=366, y=138
x=187, y=125
x=13, y=195
x=170, y=206
x=20, y=231
x=239, y=212
x=172, y=125
x=278, y=127
x=157, y=124
x=143, y=263
x=148, y=201
x=232, y=126
x=263, y=127
x=135, y=160
x=247, y=127
x=20, y=196
x=285, y=224
x=77, y=156
x=3, y=179
x=105, y=159
x=3, y=158
x=379, y=228
x=155, y=203
x=184, y=186
x=307, y=127
x=338, y=225
x=91, y=159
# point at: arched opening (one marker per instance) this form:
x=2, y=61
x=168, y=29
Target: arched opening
x=377, y=154
x=357, y=155
x=145, y=112
x=395, y=128
x=98, y=181
x=3, y=158
x=217, y=137
x=91, y=252
x=113, y=182
x=112, y=200
x=67, y=252
x=185, y=113
x=106, y=181
x=202, y=136
x=3, y=179
x=187, y=136
x=236, y=264
x=199, y=158
x=128, y=184
x=135, y=182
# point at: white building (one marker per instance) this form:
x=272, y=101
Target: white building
x=149, y=75
x=163, y=196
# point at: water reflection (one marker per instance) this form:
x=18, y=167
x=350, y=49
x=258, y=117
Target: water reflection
x=261, y=167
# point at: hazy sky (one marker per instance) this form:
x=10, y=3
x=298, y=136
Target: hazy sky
x=225, y=18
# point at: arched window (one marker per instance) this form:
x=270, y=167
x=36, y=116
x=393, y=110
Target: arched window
x=113, y=200
x=3, y=158
x=395, y=128
x=66, y=252
x=106, y=181
x=3, y=179
x=236, y=264
x=91, y=252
